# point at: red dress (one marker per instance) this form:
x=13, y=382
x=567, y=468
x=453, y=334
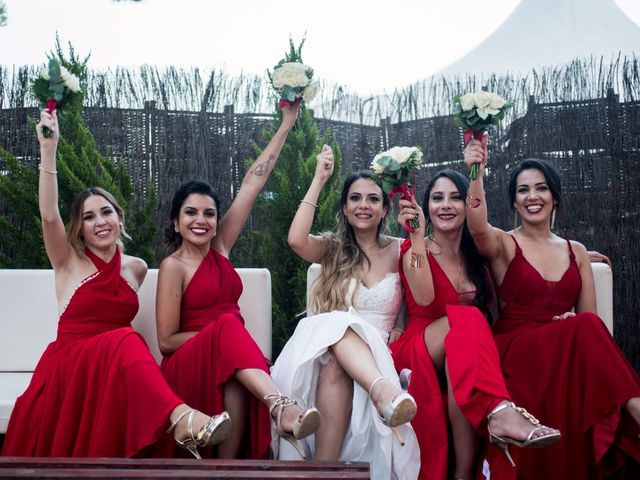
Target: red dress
x=96, y=391
x=198, y=370
x=569, y=373
x=472, y=359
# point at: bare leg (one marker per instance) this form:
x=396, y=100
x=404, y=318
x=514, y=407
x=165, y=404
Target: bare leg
x=334, y=399
x=260, y=384
x=355, y=357
x=235, y=403
x=464, y=436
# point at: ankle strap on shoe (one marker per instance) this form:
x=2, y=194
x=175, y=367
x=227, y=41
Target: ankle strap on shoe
x=279, y=400
x=373, y=384
x=499, y=408
x=180, y=417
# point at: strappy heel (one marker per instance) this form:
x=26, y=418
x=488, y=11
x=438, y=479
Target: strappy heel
x=535, y=442
x=306, y=423
x=400, y=410
x=214, y=431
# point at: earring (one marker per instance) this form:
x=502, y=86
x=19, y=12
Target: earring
x=553, y=218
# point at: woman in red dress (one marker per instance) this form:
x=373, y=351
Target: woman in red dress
x=557, y=356
x=209, y=357
x=449, y=341
x=96, y=391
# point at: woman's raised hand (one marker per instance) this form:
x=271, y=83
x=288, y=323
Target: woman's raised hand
x=290, y=115
x=476, y=152
x=324, y=164
x=49, y=120
x=409, y=210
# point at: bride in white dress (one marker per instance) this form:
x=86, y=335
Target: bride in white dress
x=338, y=359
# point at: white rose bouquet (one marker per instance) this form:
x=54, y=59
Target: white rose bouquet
x=54, y=88
x=292, y=80
x=475, y=113
x=394, y=172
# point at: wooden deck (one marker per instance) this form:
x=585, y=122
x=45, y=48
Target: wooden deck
x=59, y=468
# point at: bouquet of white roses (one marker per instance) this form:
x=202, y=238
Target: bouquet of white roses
x=475, y=113
x=394, y=172
x=55, y=87
x=292, y=80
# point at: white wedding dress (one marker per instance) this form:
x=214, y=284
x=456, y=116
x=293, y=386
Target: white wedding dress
x=371, y=315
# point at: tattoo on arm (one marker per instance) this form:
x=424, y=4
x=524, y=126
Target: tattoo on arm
x=263, y=168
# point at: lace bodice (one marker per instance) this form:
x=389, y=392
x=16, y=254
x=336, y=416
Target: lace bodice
x=380, y=304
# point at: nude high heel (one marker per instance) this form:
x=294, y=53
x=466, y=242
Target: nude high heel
x=400, y=410
x=306, y=423
x=214, y=431
x=503, y=442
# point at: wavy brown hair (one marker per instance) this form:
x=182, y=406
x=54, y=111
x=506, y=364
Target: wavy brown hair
x=74, y=227
x=344, y=257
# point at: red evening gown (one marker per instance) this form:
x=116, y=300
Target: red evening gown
x=198, y=370
x=472, y=359
x=569, y=373
x=96, y=391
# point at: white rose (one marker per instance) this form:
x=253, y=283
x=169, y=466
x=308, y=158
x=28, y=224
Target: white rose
x=310, y=92
x=496, y=101
x=482, y=99
x=377, y=168
x=467, y=102
x=44, y=73
x=69, y=79
x=293, y=74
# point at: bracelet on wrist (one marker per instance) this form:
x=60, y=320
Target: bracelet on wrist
x=51, y=172
x=472, y=202
x=308, y=203
x=417, y=259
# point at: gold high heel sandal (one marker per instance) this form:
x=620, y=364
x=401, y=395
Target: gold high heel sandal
x=306, y=423
x=535, y=442
x=214, y=431
x=400, y=410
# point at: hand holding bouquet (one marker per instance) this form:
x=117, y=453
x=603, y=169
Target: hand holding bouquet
x=394, y=171
x=292, y=80
x=475, y=113
x=54, y=88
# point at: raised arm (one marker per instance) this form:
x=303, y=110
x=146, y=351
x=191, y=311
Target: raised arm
x=55, y=238
x=253, y=182
x=311, y=247
x=414, y=262
x=487, y=238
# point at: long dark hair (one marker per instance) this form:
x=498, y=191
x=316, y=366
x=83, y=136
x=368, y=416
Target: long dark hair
x=476, y=264
x=173, y=239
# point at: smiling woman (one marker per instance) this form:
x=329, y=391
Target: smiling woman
x=98, y=367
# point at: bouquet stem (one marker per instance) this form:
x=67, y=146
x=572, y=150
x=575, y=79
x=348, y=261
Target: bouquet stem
x=51, y=106
x=470, y=134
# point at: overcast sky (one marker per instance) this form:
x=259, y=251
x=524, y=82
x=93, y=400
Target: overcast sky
x=368, y=46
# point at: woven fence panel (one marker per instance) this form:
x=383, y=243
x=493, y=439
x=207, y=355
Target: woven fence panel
x=595, y=144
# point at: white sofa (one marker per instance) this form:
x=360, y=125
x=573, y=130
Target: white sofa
x=28, y=322
x=602, y=276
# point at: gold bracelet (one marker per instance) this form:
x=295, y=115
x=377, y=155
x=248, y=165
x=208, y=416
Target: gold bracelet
x=52, y=172
x=310, y=203
x=476, y=201
x=417, y=259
